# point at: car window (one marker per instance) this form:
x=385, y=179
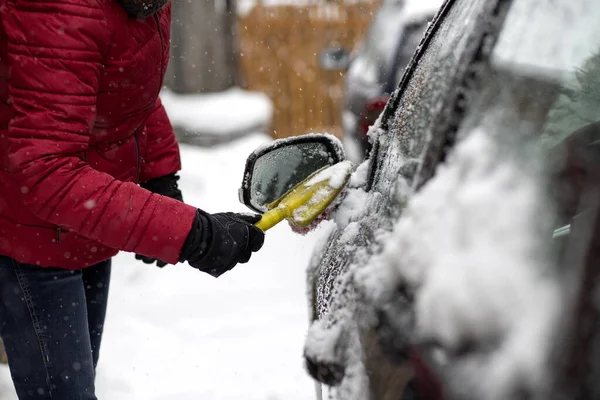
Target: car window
x=411, y=38
x=551, y=50
x=428, y=90
x=526, y=175
x=550, y=82
x=541, y=41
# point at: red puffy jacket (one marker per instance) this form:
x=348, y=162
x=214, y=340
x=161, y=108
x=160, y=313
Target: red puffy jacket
x=81, y=124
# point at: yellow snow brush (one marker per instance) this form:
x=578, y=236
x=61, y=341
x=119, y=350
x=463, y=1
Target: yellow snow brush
x=305, y=202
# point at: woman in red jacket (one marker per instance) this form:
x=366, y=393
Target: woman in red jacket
x=81, y=125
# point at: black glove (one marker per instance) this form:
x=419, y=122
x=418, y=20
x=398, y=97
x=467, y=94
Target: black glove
x=217, y=242
x=165, y=186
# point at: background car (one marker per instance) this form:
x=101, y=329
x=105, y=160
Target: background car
x=463, y=259
x=375, y=69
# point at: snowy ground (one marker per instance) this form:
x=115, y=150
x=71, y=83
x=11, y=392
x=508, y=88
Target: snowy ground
x=214, y=118
x=176, y=333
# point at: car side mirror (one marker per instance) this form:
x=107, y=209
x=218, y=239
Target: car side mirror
x=273, y=170
x=334, y=58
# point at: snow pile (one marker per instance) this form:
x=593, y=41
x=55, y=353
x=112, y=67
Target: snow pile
x=333, y=347
x=353, y=205
x=230, y=113
x=332, y=342
x=323, y=343
x=471, y=246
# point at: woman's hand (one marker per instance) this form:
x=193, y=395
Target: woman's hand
x=217, y=242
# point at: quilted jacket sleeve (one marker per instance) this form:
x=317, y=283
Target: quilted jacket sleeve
x=162, y=150
x=55, y=53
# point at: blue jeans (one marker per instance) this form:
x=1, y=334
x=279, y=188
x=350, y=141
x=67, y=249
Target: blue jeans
x=51, y=321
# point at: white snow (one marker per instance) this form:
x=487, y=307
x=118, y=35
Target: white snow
x=471, y=245
x=337, y=175
x=334, y=178
x=354, y=202
x=352, y=207
x=306, y=213
x=350, y=232
x=335, y=141
x=177, y=333
x=231, y=111
x=322, y=342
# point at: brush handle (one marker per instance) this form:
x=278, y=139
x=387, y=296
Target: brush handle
x=272, y=218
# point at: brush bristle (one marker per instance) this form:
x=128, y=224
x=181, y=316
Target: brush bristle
x=321, y=217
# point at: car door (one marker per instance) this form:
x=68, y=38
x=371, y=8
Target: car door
x=415, y=130
x=496, y=255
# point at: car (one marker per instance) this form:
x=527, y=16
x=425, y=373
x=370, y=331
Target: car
x=374, y=70
x=462, y=261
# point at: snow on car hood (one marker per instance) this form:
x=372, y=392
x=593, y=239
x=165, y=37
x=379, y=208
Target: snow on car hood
x=471, y=247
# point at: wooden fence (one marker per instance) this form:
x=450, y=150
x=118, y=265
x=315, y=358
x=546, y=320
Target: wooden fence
x=279, y=48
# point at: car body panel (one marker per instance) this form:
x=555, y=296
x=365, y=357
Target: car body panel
x=420, y=109
x=478, y=82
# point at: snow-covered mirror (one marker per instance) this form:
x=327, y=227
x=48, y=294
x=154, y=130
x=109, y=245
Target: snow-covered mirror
x=271, y=171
